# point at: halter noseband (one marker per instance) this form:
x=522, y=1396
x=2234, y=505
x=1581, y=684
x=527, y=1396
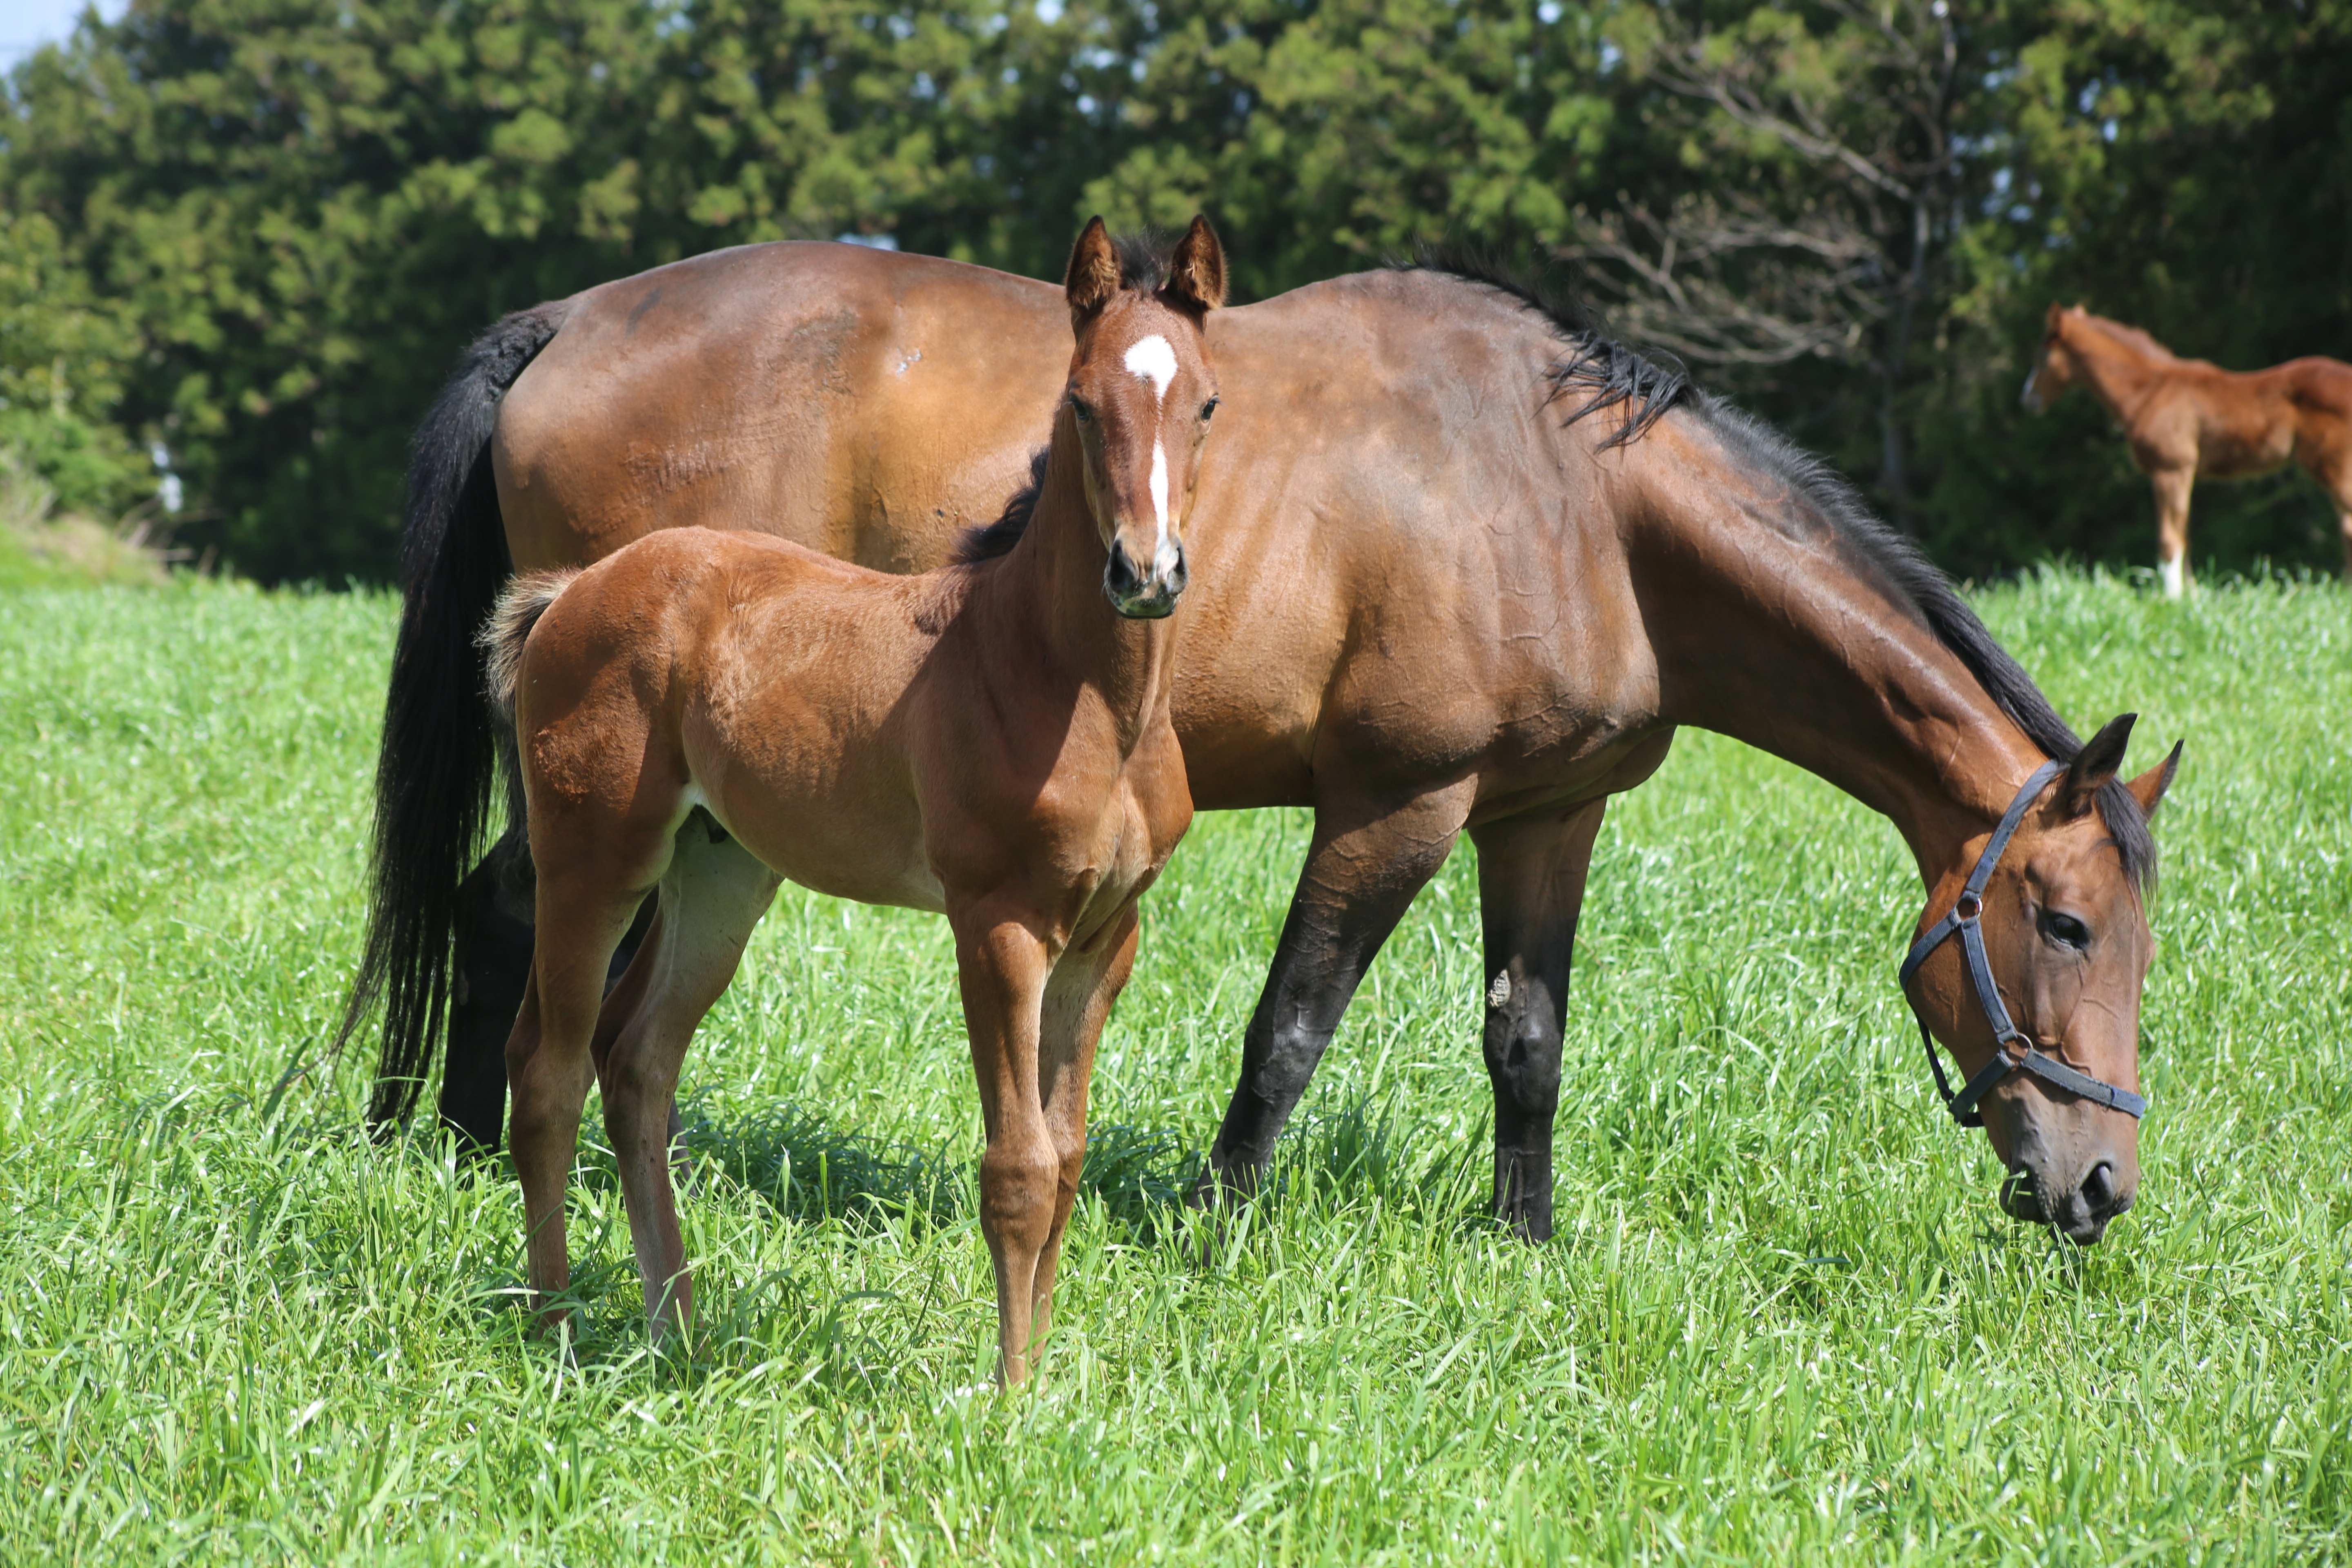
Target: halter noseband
x=1967, y=912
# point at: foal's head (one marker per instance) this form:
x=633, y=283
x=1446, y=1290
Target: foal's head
x=1141, y=395
x=2067, y=938
x=2054, y=364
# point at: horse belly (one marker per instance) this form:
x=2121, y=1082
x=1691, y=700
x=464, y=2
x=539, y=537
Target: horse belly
x=847, y=843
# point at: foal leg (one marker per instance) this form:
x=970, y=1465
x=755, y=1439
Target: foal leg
x=1077, y=1002
x=1531, y=872
x=2172, y=488
x=1362, y=870
x=1002, y=966
x=711, y=897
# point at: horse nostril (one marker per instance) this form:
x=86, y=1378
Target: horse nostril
x=2099, y=1188
x=1121, y=576
x=1177, y=575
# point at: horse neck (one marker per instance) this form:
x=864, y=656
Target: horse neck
x=1765, y=629
x=1046, y=597
x=2118, y=373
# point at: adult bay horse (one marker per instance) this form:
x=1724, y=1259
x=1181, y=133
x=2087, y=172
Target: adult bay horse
x=706, y=712
x=1492, y=561
x=2187, y=419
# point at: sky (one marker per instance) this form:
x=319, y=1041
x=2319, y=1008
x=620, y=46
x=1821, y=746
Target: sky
x=25, y=22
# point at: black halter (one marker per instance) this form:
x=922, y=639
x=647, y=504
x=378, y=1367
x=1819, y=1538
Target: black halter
x=1964, y=918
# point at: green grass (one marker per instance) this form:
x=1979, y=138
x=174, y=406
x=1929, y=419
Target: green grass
x=1782, y=1320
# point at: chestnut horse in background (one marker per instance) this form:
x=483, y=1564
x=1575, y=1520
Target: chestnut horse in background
x=1471, y=564
x=707, y=713
x=2186, y=419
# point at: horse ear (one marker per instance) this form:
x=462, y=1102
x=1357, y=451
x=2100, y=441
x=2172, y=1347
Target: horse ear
x=2050, y=322
x=1196, y=274
x=1092, y=275
x=2149, y=788
x=2095, y=764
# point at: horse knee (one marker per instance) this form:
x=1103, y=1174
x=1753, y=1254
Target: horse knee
x=1019, y=1190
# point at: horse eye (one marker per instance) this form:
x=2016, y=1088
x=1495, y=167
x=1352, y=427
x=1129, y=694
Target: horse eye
x=1086, y=416
x=2065, y=930
x=1209, y=408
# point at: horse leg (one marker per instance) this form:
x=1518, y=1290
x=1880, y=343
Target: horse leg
x=1077, y=1002
x=2172, y=488
x=590, y=888
x=1362, y=870
x=489, y=962
x=1531, y=872
x=490, y=965
x=1002, y=966
x=711, y=897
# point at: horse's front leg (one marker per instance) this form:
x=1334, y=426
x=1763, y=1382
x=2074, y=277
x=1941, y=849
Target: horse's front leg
x=1362, y=870
x=1078, y=1000
x=1531, y=874
x=1003, y=965
x=2172, y=489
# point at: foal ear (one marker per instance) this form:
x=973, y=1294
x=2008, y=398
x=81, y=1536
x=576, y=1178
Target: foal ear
x=2050, y=322
x=1196, y=273
x=1092, y=275
x=2095, y=764
x=2149, y=788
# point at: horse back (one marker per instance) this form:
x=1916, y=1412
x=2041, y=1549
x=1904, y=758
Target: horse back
x=806, y=391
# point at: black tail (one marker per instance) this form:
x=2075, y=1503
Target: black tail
x=440, y=741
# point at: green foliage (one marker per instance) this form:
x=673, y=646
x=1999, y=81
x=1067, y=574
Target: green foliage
x=1782, y=1321
x=254, y=232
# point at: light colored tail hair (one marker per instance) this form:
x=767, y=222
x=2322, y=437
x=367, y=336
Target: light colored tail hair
x=503, y=636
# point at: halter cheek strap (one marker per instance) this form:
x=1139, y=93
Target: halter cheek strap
x=1966, y=919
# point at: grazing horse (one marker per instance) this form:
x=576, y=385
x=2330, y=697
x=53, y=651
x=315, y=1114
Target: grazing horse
x=2186, y=419
x=1472, y=565
x=706, y=712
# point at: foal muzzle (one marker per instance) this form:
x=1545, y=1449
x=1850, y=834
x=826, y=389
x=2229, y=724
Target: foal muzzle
x=1140, y=594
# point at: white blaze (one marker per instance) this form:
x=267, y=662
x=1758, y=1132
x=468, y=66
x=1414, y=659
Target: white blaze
x=1150, y=359
x=1153, y=359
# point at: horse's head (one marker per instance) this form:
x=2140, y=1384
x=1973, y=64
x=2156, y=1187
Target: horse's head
x=1140, y=394
x=2066, y=936
x=2054, y=364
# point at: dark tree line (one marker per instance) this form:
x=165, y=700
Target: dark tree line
x=249, y=234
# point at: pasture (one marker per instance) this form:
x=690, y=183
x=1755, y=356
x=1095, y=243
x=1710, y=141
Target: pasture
x=1781, y=1322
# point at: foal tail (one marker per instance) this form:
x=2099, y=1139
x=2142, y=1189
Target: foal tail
x=440, y=743
x=502, y=636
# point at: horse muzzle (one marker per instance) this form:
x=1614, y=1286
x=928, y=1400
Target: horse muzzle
x=2081, y=1214
x=1139, y=594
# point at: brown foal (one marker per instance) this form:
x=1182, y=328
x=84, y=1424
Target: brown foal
x=2187, y=419
x=704, y=713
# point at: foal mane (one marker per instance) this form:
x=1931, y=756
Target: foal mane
x=1916, y=583
x=1604, y=371
x=2131, y=337
x=1144, y=257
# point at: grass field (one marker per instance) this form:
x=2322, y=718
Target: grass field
x=1782, y=1320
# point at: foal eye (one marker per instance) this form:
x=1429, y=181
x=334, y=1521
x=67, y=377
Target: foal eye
x=1084, y=414
x=1209, y=408
x=2065, y=930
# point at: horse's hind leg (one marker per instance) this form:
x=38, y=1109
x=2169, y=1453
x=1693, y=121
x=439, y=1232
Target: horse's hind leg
x=2172, y=488
x=1531, y=873
x=711, y=897
x=592, y=878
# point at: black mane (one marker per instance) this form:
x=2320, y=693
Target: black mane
x=1143, y=258
x=1911, y=579
x=991, y=540
x=1605, y=372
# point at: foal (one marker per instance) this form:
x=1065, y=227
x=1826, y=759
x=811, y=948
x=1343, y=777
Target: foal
x=704, y=713
x=2185, y=418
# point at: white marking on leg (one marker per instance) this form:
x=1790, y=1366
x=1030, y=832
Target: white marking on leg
x=1151, y=358
x=2172, y=577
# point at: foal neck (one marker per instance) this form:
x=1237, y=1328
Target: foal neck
x=1046, y=597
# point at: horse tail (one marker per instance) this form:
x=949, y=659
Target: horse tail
x=438, y=755
x=509, y=628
